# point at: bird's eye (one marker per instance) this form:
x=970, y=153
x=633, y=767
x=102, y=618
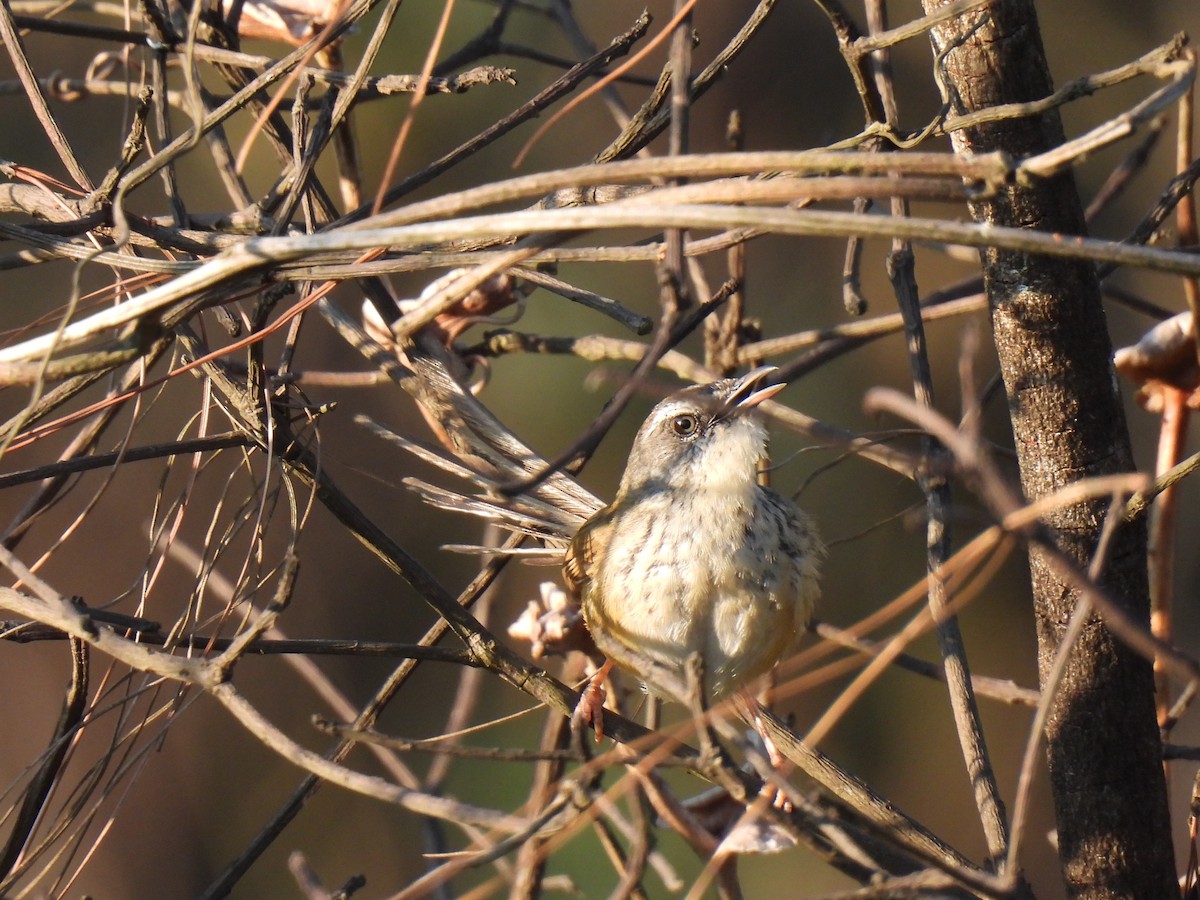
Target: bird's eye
x=685, y=425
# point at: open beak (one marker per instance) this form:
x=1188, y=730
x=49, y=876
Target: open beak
x=748, y=394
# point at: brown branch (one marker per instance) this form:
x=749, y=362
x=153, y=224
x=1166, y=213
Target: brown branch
x=1113, y=823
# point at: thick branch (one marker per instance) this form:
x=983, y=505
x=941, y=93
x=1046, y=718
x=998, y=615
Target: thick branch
x=1054, y=349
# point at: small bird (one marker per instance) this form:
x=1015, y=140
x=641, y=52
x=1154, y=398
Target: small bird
x=694, y=555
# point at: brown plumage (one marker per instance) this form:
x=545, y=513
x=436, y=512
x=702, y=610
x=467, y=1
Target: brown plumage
x=694, y=555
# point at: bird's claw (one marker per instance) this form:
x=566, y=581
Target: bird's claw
x=589, y=711
x=779, y=798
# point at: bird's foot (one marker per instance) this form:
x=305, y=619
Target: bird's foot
x=754, y=711
x=589, y=711
x=779, y=797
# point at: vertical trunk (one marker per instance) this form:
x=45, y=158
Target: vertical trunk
x=1050, y=333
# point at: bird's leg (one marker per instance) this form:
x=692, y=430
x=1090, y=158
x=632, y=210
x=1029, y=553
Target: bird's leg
x=752, y=711
x=711, y=754
x=714, y=761
x=589, y=711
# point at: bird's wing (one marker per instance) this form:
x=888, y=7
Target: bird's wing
x=547, y=513
x=582, y=557
x=522, y=514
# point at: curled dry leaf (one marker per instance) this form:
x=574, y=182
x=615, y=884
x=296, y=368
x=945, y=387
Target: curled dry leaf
x=291, y=21
x=494, y=295
x=1164, y=359
x=723, y=816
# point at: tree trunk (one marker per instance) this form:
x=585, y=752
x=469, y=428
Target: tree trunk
x=1067, y=421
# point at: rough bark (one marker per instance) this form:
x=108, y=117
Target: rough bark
x=1050, y=332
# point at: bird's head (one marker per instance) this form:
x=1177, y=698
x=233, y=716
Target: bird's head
x=704, y=437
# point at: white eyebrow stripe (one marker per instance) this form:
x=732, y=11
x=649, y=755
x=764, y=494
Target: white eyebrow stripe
x=669, y=409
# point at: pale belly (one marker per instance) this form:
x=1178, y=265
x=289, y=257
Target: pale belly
x=740, y=605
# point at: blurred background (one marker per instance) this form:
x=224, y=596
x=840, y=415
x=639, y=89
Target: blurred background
x=198, y=788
